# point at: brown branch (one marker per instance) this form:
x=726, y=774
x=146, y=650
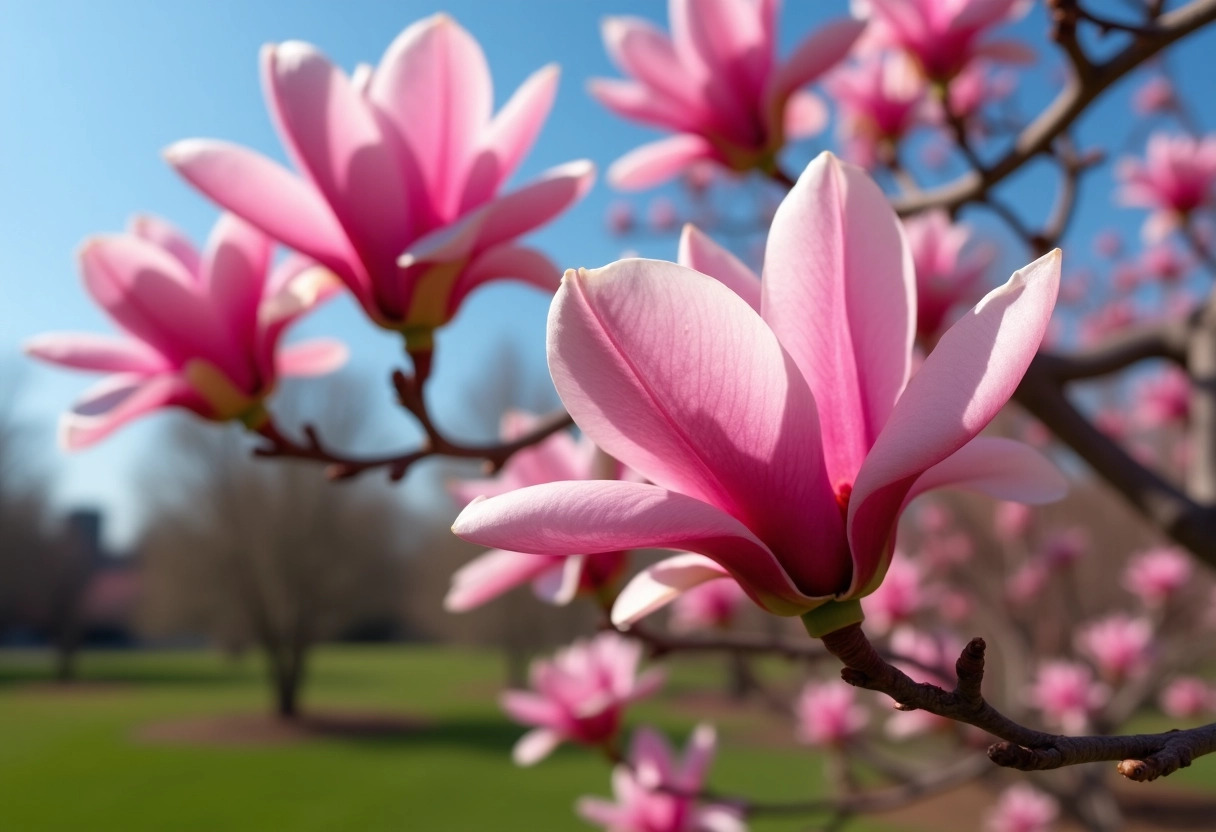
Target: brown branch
x=1158, y=340
x=1064, y=110
x=1142, y=756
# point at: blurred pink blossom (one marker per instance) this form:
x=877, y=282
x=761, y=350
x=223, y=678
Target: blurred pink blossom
x=1156, y=95
x=717, y=84
x=1027, y=581
x=829, y=715
x=713, y=605
x=402, y=167
x=898, y=598
x=652, y=791
x=661, y=214
x=1186, y=697
x=579, y=695
x=201, y=330
x=1108, y=244
x=1065, y=547
x=1165, y=262
x=1022, y=808
x=1164, y=398
x=1119, y=645
x=880, y=101
x=621, y=218
x=1012, y=520
x=1157, y=575
x=1173, y=180
x=949, y=268
x=1067, y=695
x=932, y=658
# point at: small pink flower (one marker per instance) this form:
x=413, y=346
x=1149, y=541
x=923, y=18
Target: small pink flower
x=402, y=166
x=1012, y=520
x=555, y=580
x=770, y=458
x=1173, y=180
x=1067, y=695
x=1156, y=576
x=201, y=330
x=944, y=36
x=1156, y=95
x=1022, y=808
x=653, y=791
x=1165, y=262
x=897, y=599
x=949, y=268
x=1186, y=697
x=1119, y=645
x=1064, y=548
x=715, y=82
x=1163, y=399
x=579, y=695
x=880, y=99
x=713, y=605
x=1027, y=581
x=829, y=715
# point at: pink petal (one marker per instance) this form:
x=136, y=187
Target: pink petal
x=529, y=709
x=316, y=357
x=333, y=134
x=601, y=812
x=698, y=757
x=505, y=262
x=658, y=585
x=535, y=204
x=268, y=196
x=596, y=516
x=101, y=353
x=295, y=287
x=492, y=574
x=234, y=271
x=698, y=251
x=839, y=291
x=962, y=384
x=816, y=54
x=638, y=102
x=675, y=375
x=654, y=163
x=117, y=400
x=643, y=51
x=1000, y=468
x=725, y=40
x=510, y=136
x=434, y=85
x=164, y=234
x=535, y=746
x=559, y=584
x=805, y=115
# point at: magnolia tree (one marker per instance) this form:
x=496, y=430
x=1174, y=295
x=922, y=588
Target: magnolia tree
x=768, y=426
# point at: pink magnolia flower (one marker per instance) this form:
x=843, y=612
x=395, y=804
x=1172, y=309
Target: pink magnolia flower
x=711, y=606
x=1164, y=398
x=652, y=792
x=1012, y=520
x=1174, y=179
x=944, y=36
x=881, y=100
x=1156, y=95
x=1120, y=646
x=201, y=331
x=1067, y=695
x=717, y=84
x=555, y=580
x=1158, y=575
x=1186, y=697
x=402, y=170
x=897, y=599
x=829, y=715
x=946, y=275
x=579, y=696
x=1022, y=808
x=780, y=445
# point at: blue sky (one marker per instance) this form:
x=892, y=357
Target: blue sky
x=92, y=92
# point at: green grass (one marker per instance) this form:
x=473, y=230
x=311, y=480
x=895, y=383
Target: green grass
x=73, y=760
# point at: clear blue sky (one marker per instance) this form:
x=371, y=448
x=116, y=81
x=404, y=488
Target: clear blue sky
x=92, y=91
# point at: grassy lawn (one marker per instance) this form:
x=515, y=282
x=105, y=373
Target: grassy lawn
x=73, y=759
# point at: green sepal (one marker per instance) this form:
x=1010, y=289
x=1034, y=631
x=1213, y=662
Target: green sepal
x=832, y=616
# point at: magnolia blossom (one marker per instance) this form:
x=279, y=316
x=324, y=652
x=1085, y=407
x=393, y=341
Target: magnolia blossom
x=201, y=331
x=653, y=790
x=880, y=99
x=776, y=424
x=715, y=82
x=1186, y=697
x=1165, y=262
x=898, y=598
x=555, y=580
x=1173, y=180
x=1067, y=695
x=579, y=696
x=1163, y=398
x=713, y=605
x=947, y=272
x=1022, y=808
x=1157, y=575
x=1120, y=646
x=1012, y=520
x=944, y=36
x=829, y=714
x=402, y=167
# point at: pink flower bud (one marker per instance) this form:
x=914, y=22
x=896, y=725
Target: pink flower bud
x=1067, y=695
x=1156, y=576
x=1119, y=645
x=1186, y=697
